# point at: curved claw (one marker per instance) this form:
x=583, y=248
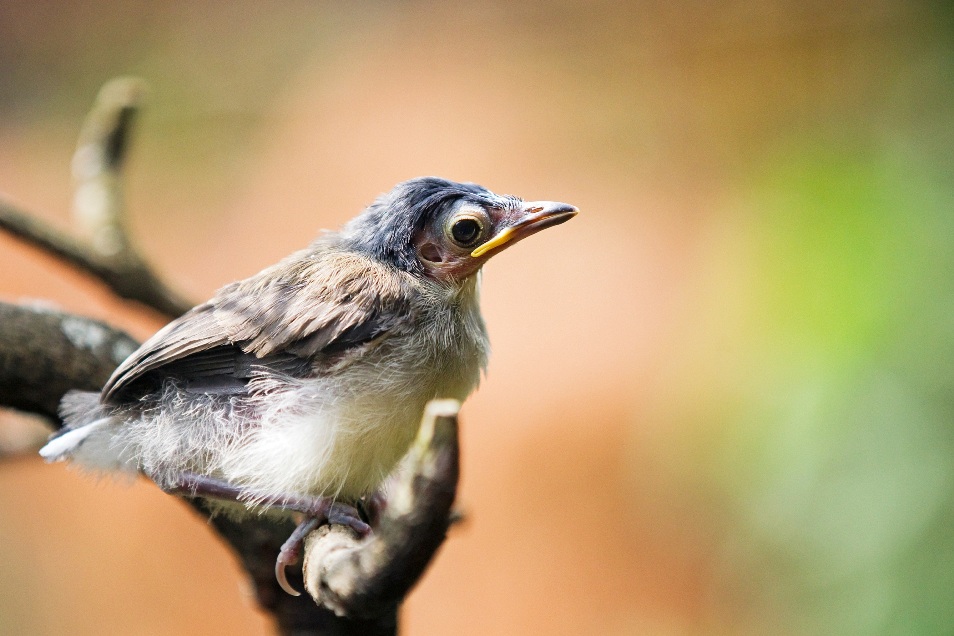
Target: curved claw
x=282, y=579
x=291, y=550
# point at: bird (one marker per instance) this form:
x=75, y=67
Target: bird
x=299, y=389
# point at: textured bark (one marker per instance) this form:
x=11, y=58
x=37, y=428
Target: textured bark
x=44, y=353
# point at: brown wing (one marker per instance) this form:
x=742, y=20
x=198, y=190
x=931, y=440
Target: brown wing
x=191, y=333
x=313, y=303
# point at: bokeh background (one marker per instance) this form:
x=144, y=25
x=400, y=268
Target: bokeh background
x=721, y=398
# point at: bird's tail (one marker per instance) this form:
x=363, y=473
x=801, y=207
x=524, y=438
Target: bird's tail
x=83, y=436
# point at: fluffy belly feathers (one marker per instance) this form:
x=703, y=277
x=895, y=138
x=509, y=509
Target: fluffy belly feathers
x=341, y=441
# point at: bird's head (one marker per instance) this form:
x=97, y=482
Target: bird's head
x=447, y=230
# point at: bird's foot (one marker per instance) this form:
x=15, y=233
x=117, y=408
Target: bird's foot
x=335, y=513
x=316, y=511
x=345, y=515
x=291, y=550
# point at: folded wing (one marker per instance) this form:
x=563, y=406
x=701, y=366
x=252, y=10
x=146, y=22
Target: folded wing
x=312, y=306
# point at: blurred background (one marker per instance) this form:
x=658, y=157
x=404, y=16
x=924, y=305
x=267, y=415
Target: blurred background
x=721, y=398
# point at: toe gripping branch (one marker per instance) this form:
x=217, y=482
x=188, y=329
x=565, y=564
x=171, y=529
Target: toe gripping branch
x=348, y=569
x=316, y=510
x=324, y=512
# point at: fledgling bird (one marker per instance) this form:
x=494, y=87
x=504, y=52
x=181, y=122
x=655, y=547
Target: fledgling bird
x=300, y=388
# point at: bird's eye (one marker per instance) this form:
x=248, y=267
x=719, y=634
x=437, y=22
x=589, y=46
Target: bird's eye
x=466, y=230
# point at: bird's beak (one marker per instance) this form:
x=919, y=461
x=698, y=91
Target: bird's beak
x=530, y=218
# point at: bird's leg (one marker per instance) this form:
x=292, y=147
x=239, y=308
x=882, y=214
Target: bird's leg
x=317, y=510
x=323, y=508
x=196, y=485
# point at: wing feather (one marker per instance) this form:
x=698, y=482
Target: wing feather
x=314, y=303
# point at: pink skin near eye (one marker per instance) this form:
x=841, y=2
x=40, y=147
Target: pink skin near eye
x=443, y=259
x=447, y=260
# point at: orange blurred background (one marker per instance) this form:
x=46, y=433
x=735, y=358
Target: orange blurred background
x=720, y=398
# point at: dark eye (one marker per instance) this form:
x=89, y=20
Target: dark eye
x=466, y=231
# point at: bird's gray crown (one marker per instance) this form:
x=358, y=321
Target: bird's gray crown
x=386, y=229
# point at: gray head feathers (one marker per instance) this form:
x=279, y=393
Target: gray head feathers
x=386, y=229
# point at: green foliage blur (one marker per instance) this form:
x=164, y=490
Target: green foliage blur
x=822, y=363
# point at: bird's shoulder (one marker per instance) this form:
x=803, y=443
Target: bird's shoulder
x=312, y=299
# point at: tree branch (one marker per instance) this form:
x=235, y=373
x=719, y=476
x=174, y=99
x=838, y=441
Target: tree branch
x=44, y=353
x=99, y=206
x=109, y=255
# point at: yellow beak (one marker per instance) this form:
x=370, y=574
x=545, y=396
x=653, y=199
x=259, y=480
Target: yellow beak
x=537, y=215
